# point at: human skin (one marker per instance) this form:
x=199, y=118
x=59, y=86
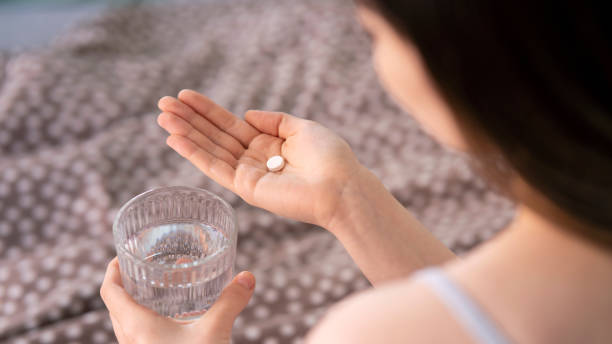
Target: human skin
x=539, y=280
x=531, y=279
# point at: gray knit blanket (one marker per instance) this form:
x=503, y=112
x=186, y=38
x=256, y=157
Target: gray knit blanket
x=78, y=138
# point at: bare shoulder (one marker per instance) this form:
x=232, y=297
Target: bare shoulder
x=400, y=312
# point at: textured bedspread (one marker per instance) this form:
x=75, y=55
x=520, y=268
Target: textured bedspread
x=78, y=138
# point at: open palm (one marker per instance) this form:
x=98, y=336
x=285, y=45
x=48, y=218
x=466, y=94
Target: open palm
x=234, y=152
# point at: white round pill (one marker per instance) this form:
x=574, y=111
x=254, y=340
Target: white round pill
x=275, y=163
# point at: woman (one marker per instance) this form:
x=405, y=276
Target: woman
x=524, y=89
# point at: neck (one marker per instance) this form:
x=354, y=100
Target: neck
x=573, y=275
x=557, y=248
x=553, y=284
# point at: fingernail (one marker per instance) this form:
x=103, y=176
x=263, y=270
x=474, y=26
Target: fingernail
x=246, y=280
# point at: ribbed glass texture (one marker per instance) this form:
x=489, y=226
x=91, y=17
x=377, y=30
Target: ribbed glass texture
x=176, y=249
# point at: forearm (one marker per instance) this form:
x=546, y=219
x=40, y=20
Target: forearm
x=383, y=238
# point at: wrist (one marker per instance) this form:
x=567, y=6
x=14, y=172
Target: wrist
x=383, y=238
x=356, y=201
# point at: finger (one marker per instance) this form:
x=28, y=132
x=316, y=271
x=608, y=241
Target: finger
x=176, y=125
x=201, y=124
x=219, y=116
x=219, y=319
x=118, y=331
x=112, y=275
x=119, y=303
x=217, y=169
x=275, y=123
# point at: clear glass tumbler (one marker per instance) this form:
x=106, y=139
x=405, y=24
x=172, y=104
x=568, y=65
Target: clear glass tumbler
x=176, y=249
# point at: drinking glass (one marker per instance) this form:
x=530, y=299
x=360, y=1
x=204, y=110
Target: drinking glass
x=176, y=249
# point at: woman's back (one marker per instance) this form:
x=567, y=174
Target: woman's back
x=531, y=284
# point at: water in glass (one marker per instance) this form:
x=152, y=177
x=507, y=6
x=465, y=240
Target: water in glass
x=178, y=246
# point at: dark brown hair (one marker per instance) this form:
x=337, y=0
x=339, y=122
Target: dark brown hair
x=534, y=78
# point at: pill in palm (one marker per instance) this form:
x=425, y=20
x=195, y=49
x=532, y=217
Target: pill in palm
x=275, y=163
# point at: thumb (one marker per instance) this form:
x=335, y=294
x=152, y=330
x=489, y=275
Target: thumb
x=219, y=319
x=275, y=123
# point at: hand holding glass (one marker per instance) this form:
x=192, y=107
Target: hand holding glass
x=176, y=248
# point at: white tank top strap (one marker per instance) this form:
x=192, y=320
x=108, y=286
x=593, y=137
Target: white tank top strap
x=467, y=312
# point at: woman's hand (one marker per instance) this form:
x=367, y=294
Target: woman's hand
x=134, y=323
x=233, y=152
x=322, y=182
